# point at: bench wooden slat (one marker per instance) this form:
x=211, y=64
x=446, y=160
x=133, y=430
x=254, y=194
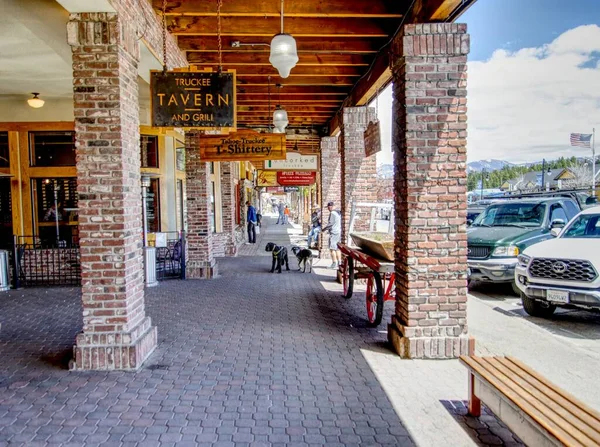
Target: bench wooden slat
x=561, y=411
x=589, y=412
x=585, y=419
x=485, y=372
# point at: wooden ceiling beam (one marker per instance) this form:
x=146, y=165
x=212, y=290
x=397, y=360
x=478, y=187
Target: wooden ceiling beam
x=297, y=8
x=247, y=91
x=265, y=109
x=304, y=44
x=302, y=70
x=232, y=60
x=298, y=80
x=267, y=27
x=313, y=101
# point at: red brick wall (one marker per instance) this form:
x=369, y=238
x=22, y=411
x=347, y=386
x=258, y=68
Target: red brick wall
x=430, y=183
x=331, y=183
x=200, y=261
x=228, y=208
x=105, y=59
x=359, y=173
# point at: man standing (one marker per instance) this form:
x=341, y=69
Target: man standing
x=251, y=219
x=281, y=215
x=334, y=226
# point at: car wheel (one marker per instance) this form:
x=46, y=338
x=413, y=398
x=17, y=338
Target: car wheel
x=537, y=308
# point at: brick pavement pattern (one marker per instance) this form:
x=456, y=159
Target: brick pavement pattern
x=248, y=358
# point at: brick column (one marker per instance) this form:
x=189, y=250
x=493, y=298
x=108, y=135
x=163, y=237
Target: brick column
x=359, y=173
x=117, y=334
x=200, y=260
x=429, y=134
x=330, y=184
x=228, y=207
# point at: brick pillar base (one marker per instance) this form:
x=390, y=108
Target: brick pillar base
x=200, y=260
x=117, y=334
x=429, y=138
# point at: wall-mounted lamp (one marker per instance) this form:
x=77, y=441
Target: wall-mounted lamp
x=35, y=102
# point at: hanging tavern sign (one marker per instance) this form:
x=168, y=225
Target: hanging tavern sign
x=193, y=99
x=245, y=145
x=372, y=139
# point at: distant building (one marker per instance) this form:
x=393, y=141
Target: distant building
x=553, y=179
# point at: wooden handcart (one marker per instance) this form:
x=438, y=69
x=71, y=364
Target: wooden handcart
x=379, y=273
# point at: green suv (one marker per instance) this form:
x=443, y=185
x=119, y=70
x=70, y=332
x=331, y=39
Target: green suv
x=505, y=228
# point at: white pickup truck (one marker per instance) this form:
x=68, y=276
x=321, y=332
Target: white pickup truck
x=564, y=271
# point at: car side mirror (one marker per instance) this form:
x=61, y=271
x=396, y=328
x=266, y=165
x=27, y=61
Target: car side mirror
x=557, y=223
x=469, y=222
x=555, y=232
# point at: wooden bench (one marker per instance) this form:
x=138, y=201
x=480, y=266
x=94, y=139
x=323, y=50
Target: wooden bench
x=536, y=410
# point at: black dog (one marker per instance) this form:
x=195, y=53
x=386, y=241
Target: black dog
x=280, y=256
x=304, y=255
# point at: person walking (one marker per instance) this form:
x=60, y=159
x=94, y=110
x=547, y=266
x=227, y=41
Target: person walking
x=286, y=215
x=334, y=227
x=281, y=218
x=251, y=219
x=315, y=229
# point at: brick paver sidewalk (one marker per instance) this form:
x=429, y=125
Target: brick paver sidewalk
x=249, y=358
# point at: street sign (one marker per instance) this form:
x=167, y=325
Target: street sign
x=193, y=99
x=294, y=162
x=296, y=178
x=245, y=145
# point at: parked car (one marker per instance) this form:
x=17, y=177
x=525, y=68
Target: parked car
x=563, y=272
x=476, y=208
x=506, y=228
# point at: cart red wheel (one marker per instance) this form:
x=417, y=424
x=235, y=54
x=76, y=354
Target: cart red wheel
x=374, y=299
x=348, y=276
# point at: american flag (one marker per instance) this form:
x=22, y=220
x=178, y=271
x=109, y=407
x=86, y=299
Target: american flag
x=581, y=139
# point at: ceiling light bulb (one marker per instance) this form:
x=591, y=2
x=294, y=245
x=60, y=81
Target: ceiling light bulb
x=35, y=102
x=284, y=55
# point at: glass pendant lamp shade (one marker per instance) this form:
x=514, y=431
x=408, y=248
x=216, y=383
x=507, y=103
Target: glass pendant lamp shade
x=280, y=119
x=35, y=102
x=284, y=55
x=276, y=130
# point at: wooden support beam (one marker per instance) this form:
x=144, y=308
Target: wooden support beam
x=232, y=60
x=244, y=91
x=302, y=70
x=304, y=44
x=268, y=27
x=297, y=8
x=314, y=101
x=298, y=80
x=297, y=108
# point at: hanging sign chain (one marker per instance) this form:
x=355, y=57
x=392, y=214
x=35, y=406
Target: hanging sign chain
x=220, y=48
x=164, y=34
x=269, y=112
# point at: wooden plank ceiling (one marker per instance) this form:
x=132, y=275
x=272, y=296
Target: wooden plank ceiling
x=338, y=41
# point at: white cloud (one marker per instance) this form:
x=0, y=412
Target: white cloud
x=523, y=105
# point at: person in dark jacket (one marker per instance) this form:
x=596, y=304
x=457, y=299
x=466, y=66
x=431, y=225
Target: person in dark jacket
x=315, y=229
x=251, y=219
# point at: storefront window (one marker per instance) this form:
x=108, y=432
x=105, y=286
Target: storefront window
x=4, y=157
x=55, y=210
x=180, y=156
x=149, y=151
x=153, y=206
x=179, y=206
x=52, y=148
x=6, y=229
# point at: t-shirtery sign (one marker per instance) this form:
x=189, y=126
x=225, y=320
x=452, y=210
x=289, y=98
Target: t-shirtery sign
x=295, y=178
x=294, y=162
x=266, y=178
x=193, y=99
x=245, y=145
x=372, y=138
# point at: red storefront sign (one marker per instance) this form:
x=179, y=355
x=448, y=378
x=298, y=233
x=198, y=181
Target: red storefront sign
x=296, y=178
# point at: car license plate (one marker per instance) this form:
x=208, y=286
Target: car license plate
x=557, y=296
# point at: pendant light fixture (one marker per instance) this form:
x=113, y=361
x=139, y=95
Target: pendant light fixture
x=284, y=55
x=280, y=116
x=35, y=102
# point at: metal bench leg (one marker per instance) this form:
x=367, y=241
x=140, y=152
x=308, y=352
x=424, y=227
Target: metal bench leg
x=474, y=402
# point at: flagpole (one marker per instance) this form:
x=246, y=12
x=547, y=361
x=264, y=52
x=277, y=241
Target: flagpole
x=593, y=163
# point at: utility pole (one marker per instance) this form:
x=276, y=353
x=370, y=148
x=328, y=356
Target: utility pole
x=482, y=180
x=543, y=174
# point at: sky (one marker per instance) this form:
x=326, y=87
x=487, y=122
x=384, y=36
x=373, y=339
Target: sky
x=534, y=77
